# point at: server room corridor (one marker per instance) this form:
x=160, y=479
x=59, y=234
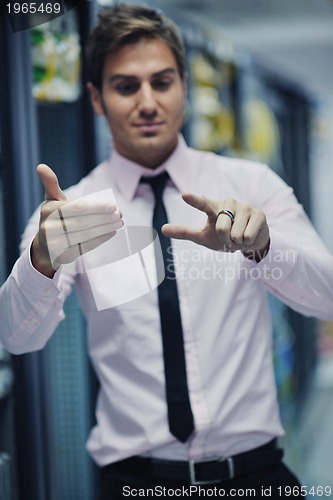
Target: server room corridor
x=259, y=76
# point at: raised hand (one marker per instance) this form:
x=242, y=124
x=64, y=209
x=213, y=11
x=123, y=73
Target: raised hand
x=69, y=229
x=244, y=228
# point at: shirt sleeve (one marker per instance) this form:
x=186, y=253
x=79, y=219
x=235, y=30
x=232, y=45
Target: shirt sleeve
x=298, y=268
x=31, y=304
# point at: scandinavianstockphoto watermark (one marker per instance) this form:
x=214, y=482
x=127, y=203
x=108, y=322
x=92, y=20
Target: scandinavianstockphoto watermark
x=198, y=264
x=206, y=255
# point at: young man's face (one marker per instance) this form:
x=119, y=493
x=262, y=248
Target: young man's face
x=143, y=99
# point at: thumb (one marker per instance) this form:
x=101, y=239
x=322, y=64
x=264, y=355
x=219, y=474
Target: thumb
x=50, y=183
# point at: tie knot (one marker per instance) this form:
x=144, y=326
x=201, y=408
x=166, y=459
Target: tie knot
x=157, y=183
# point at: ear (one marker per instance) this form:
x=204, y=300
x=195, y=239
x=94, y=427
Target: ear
x=95, y=99
x=185, y=80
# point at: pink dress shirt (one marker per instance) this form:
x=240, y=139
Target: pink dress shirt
x=223, y=301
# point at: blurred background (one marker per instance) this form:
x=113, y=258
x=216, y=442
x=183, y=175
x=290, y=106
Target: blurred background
x=260, y=87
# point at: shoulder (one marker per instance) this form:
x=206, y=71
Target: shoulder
x=226, y=168
x=224, y=177
x=228, y=163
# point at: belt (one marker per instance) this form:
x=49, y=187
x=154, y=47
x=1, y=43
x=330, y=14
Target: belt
x=204, y=472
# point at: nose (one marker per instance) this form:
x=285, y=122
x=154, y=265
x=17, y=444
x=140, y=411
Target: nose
x=147, y=102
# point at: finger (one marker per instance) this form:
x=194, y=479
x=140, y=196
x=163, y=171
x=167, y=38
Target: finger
x=93, y=233
x=182, y=233
x=50, y=183
x=84, y=208
x=86, y=221
x=201, y=203
x=240, y=224
x=59, y=241
x=223, y=227
x=255, y=226
x=198, y=236
x=58, y=225
x=72, y=253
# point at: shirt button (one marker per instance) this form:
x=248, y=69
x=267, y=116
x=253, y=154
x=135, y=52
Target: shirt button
x=47, y=291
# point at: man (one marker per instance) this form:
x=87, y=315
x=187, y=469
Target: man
x=246, y=234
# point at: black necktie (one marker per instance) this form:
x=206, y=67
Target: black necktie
x=179, y=408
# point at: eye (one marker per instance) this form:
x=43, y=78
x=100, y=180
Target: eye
x=162, y=84
x=127, y=88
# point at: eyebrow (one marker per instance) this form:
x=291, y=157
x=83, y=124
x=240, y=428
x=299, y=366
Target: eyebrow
x=119, y=76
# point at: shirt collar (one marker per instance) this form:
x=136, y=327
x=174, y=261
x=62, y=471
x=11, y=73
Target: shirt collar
x=127, y=174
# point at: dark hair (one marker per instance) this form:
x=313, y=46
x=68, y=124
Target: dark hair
x=123, y=24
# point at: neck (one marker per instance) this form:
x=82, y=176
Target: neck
x=150, y=159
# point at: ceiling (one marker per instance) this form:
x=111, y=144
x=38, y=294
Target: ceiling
x=295, y=37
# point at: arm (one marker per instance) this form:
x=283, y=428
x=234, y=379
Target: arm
x=300, y=266
x=32, y=298
x=274, y=232
x=31, y=304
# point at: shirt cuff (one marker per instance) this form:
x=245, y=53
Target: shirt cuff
x=279, y=261
x=33, y=283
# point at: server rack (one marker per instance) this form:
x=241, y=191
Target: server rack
x=52, y=395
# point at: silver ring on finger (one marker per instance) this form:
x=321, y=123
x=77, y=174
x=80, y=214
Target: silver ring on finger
x=229, y=213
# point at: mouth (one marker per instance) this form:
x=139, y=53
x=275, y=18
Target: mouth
x=148, y=126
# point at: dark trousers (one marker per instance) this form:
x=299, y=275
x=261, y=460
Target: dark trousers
x=275, y=482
